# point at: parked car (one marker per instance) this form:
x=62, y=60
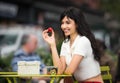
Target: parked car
x=10, y=39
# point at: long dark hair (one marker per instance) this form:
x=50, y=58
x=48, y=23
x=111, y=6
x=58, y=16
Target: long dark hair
x=82, y=28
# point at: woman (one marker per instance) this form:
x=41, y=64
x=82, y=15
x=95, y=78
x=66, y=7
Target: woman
x=79, y=53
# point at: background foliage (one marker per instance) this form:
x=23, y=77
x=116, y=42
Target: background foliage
x=112, y=6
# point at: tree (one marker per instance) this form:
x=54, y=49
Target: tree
x=112, y=6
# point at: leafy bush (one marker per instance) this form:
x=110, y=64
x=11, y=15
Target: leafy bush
x=45, y=56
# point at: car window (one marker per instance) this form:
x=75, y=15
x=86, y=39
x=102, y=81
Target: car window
x=7, y=39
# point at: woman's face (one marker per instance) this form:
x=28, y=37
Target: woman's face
x=68, y=26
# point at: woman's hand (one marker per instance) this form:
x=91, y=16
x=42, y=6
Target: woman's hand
x=49, y=39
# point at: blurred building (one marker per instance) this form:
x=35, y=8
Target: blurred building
x=46, y=13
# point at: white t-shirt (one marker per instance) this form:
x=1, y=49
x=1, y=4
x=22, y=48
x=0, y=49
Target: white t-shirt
x=88, y=67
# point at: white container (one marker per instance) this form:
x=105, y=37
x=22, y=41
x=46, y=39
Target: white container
x=28, y=67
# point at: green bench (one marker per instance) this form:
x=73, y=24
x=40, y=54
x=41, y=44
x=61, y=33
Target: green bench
x=105, y=70
x=106, y=73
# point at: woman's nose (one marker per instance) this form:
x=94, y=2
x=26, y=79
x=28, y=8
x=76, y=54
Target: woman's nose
x=63, y=26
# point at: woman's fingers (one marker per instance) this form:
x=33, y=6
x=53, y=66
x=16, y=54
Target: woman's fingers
x=45, y=31
x=52, y=33
x=49, y=39
x=44, y=34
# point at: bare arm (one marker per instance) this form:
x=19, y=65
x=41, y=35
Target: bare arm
x=57, y=61
x=73, y=64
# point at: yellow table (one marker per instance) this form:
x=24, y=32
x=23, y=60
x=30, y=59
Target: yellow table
x=14, y=75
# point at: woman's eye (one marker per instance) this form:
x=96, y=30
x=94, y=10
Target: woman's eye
x=67, y=22
x=62, y=23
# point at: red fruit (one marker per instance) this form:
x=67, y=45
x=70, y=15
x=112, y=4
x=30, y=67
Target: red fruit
x=50, y=29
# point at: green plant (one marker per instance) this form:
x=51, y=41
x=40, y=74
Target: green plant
x=5, y=66
x=45, y=56
x=111, y=6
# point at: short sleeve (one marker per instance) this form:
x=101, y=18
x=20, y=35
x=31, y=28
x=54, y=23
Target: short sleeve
x=14, y=63
x=63, y=51
x=82, y=47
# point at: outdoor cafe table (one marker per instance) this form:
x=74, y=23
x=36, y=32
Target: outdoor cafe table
x=14, y=75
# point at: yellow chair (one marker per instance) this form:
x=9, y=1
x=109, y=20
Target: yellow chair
x=105, y=70
x=106, y=73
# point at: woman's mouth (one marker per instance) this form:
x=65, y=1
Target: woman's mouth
x=66, y=31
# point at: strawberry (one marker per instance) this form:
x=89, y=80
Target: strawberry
x=50, y=31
